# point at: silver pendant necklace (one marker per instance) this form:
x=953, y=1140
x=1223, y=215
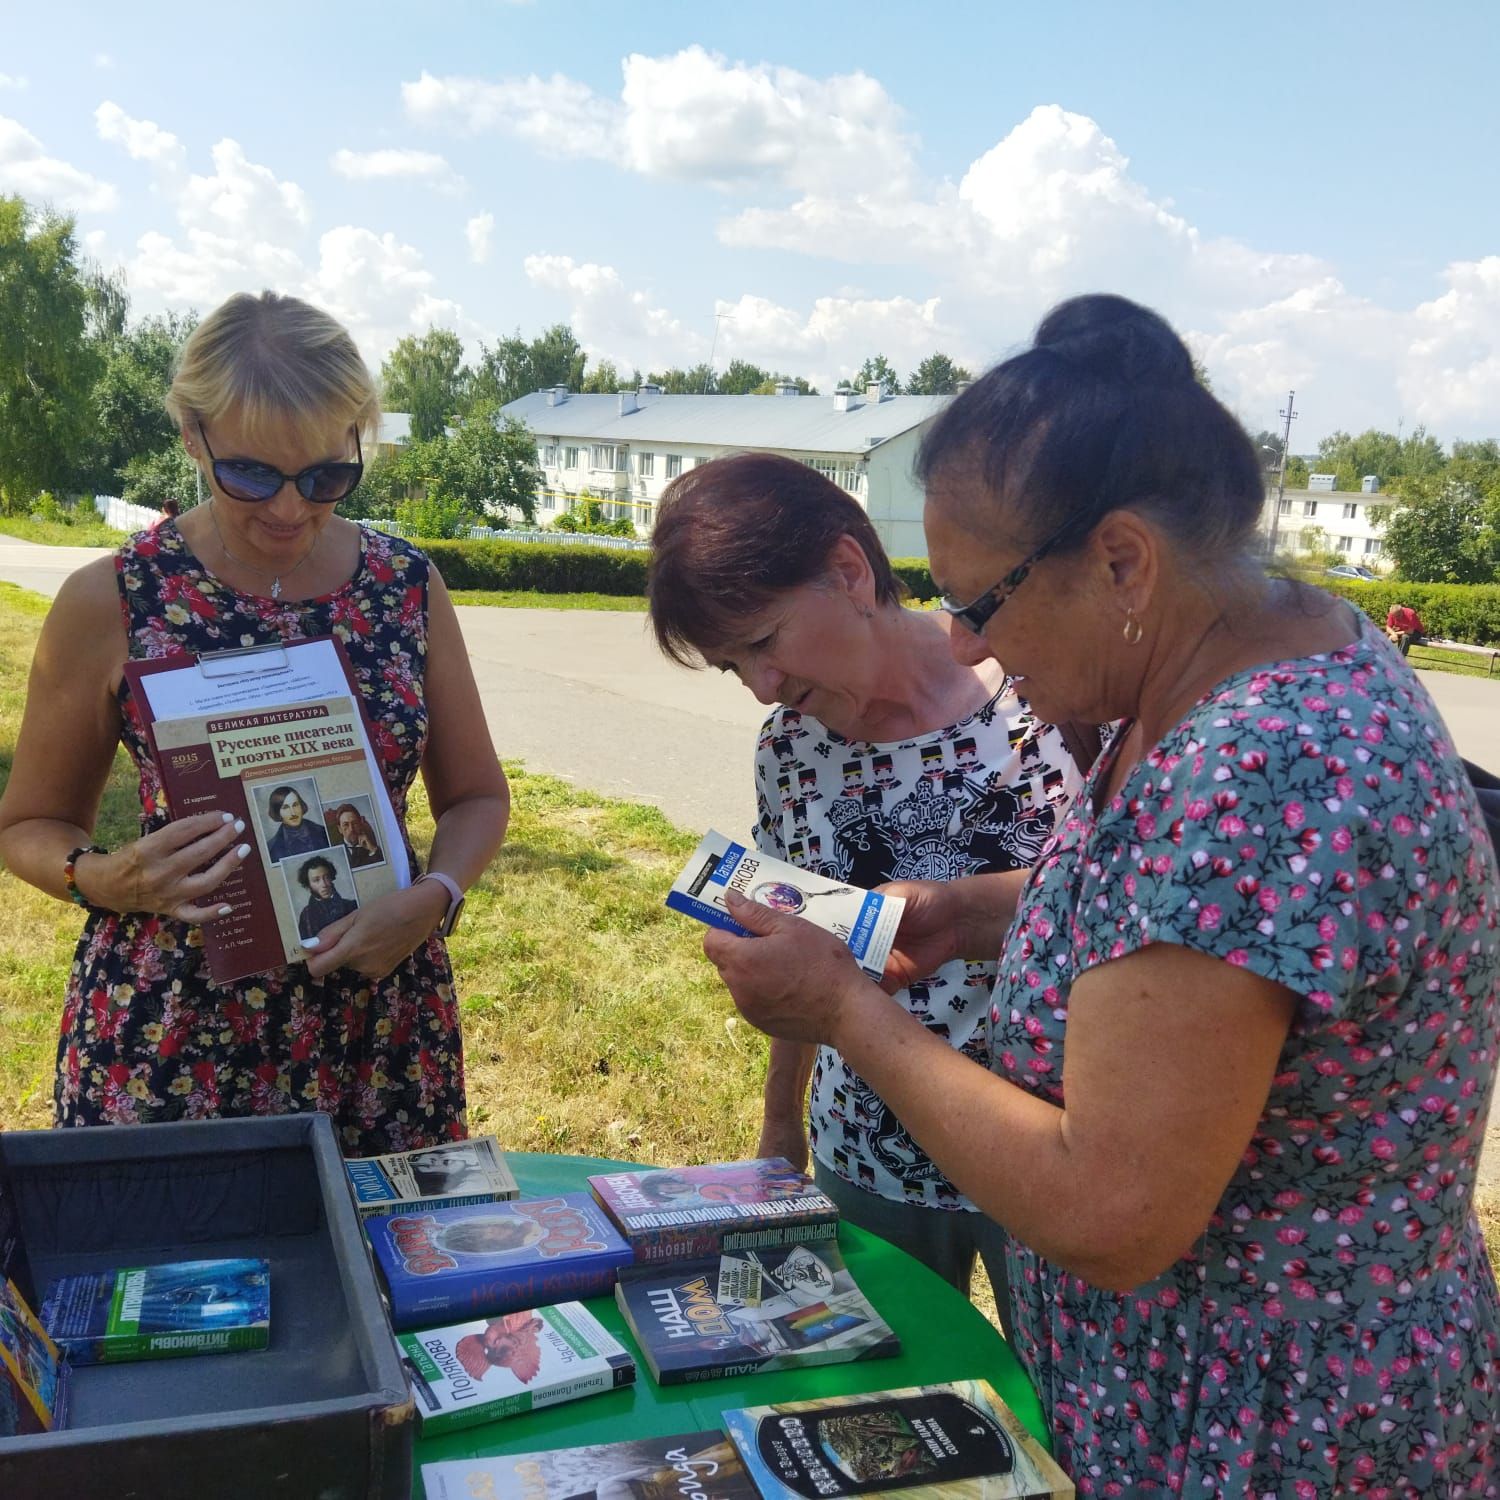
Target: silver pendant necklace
x=264, y=572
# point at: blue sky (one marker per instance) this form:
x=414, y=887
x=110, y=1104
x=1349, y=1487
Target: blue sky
x=1308, y=194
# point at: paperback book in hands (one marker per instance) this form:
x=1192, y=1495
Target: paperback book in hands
x=865, y=920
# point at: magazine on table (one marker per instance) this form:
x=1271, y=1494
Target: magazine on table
x=956, y=1441
x=865, y=920
x=751, y=1311
x=685, y=1466
x=277, y=737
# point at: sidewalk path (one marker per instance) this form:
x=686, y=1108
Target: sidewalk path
x=584, y=695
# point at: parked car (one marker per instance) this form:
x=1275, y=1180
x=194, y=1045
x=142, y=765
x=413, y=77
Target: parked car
x=1349, y=570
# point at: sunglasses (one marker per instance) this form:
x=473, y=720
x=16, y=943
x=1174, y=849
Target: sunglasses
x=979, y=612
x=251, y=480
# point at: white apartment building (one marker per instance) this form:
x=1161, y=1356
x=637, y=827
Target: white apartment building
x=1316, y=520
x=625, y=449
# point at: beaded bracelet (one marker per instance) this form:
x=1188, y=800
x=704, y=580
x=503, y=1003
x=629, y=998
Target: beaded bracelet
x=69, y=868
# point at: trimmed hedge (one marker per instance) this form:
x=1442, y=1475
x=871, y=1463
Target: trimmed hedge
x=912, y=571
x=539, y=566
x=1468, y=612
x=1453, y=611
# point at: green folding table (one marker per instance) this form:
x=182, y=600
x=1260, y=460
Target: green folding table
x=943, y=1337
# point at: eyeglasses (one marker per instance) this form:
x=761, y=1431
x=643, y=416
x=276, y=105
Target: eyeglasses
x=978, y=613
x=251, y=480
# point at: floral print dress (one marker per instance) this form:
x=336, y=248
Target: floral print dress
x=1336, y=1329
x=146, y=1034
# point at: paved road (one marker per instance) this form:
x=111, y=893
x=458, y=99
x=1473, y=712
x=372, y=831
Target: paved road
x=579, y=693
x=586, y=696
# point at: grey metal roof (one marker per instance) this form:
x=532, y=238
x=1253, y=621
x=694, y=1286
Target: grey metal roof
x=799, y=423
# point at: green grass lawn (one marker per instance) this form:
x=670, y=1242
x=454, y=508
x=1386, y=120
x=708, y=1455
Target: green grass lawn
x=1435, y=659
x=83, y=533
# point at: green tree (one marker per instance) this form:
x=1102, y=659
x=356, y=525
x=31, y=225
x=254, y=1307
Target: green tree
x=514, y=368
x=937, y=375
x=698, y=381
x=47, y=364
x=878, y=368
x=1382, y=454
x=603, y=380
x=1296, y=472
x=585, y=517
x=427, y=377
x=767, y=387
x=742, y=379
x=489, y=465
x=430, y=517
x=129, y=418
x=1442, y=531
x=164, y=474
x=555, y=357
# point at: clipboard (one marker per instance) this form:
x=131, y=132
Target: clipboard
x=207, y=717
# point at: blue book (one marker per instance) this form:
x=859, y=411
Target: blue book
x=446, y=1265
x=157, y=1312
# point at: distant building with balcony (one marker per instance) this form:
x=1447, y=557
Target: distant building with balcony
x=626, y=448
x=1322, y=519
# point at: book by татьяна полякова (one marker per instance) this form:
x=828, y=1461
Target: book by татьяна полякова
x=956, y=1441
x=157, y=1312
x=685, y=1213
x=865, y=920
x=446, y=1264
x=452, y=1175
x=751, y=1311
x=686, y=1466
x=522, y=1361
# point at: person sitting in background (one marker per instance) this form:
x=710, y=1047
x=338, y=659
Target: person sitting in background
x=1403, y=625
x=882, y=759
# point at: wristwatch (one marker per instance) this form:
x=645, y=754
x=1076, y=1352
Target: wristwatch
x=455, y=900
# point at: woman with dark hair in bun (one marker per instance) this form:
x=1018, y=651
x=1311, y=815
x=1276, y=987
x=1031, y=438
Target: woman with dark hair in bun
x=1245, y=1025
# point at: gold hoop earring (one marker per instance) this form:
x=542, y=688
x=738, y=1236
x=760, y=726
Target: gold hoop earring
x=1132, y=631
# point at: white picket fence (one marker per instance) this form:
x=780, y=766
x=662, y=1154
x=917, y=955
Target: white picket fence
x=115, y=512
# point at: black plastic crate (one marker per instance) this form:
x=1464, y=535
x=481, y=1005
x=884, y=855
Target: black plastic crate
x=323, y=1413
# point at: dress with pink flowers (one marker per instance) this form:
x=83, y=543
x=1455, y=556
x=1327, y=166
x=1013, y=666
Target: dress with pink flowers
x=1336, y=1330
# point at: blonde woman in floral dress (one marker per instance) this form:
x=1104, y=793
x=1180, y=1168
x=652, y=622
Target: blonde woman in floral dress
x=274, y=403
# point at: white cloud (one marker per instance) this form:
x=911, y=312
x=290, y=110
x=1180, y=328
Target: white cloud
x=611, y=321
x=1451, y=378
x=144, y=140
x=415, y=166
x=827, y=342
x=556, y=115
x=103, y=61
x=691, y=117
x=243, y=199
x=12, y=81
x=479, y=231
x=25, y=168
